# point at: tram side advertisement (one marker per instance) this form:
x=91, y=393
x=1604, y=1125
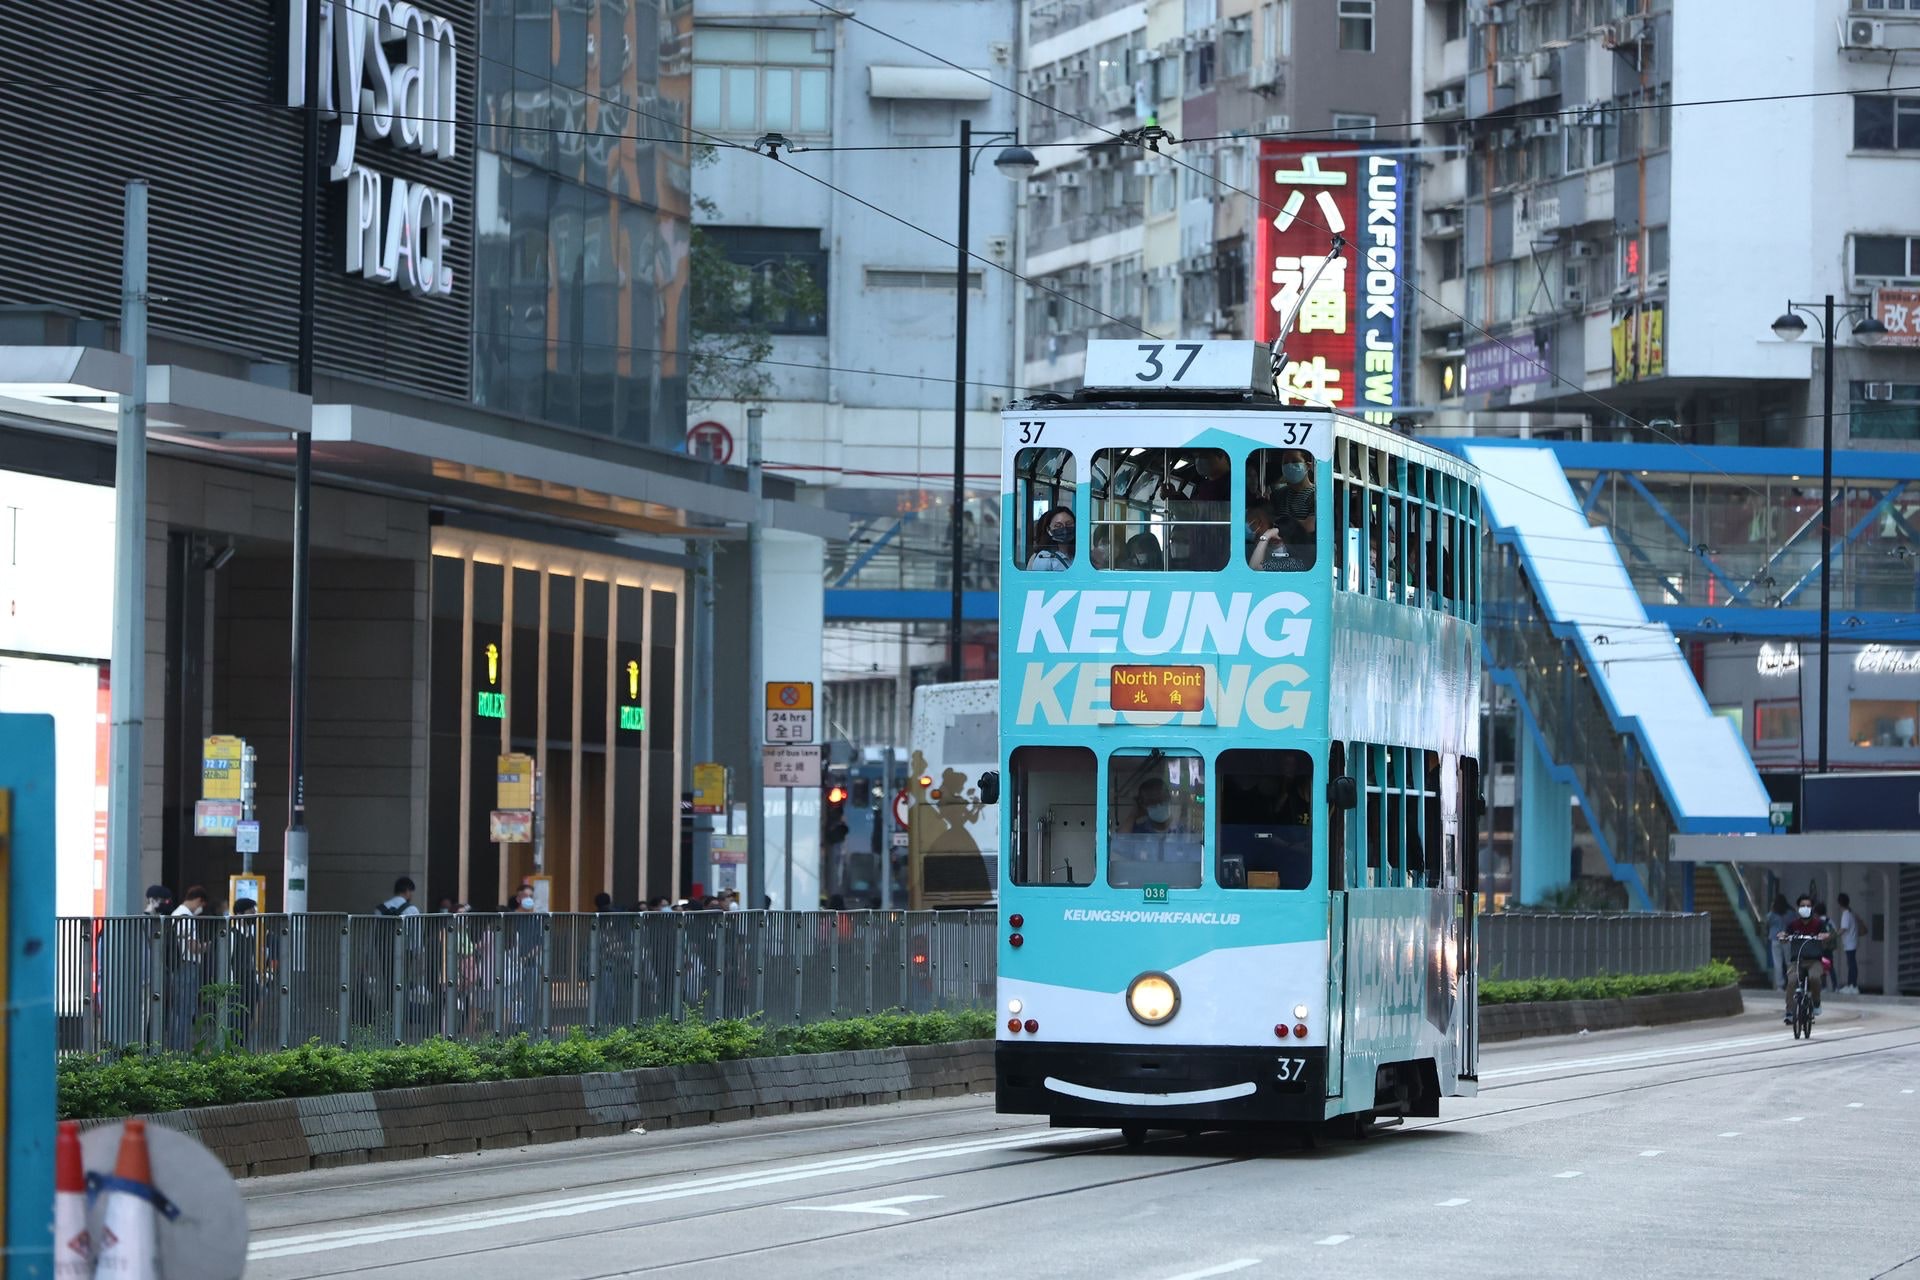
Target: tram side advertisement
x=1344, y=351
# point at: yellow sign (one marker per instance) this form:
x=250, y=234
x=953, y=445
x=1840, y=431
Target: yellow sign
x=1640, y=343
x=515, y=781
x=789, y=695
x=633, y=680
x=493, y=664
x=220, y=771
x=709, y=788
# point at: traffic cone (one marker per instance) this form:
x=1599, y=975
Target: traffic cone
x=72, y=1243
x=129, y=1229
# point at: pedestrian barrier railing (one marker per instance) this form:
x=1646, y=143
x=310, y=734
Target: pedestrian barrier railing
x=256, y=983
x=260, y=982
x=1524, y=944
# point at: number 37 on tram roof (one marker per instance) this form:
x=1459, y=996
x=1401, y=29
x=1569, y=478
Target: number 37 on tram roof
x=1240, y=687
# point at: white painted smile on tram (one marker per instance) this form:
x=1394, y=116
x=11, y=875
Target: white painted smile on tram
x=1121, y=1097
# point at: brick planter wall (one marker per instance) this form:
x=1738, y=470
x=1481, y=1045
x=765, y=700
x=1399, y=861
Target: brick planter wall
x=254, y=1138
x=1564, y=1017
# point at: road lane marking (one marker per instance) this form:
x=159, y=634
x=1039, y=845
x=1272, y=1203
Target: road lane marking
x=570, y=1206
x=1334, y=1240
x=1225, y=1268
x=1454, y=1203
x=1645, y=1154
x=1731, y=1133
x=889, y=1207
x=1648, y=1055
x=1906, y=1091
x=1571, y=1173
x=1795, y=1119
x=1853, y=1105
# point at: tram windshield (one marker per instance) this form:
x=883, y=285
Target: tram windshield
x=1156, y=816
x=1266, y=819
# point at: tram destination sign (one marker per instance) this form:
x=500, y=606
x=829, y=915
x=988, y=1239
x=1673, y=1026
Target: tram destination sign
x=1157, y=688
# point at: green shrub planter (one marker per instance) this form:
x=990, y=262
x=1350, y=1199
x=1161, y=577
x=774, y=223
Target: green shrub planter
x=1717, y=973
x=94, y=1087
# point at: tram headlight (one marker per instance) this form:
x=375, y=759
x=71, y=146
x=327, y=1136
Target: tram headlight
x=1300, y=1012
x=1153, y=998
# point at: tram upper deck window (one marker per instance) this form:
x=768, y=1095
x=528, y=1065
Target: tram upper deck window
x=1265, y=836
x=1043, y=485
x=1156, y=813
x=1055, y=819
x=1157, y=509
x=1283, y=510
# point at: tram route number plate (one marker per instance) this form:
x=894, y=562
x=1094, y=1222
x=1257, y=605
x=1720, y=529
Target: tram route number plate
x=1157, y=687
x=1153, y=893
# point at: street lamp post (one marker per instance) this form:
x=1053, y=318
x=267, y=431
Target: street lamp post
x=1868, y=330
x=1016, y=162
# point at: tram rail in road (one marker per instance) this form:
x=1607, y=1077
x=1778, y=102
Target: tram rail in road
x=1638, y=1116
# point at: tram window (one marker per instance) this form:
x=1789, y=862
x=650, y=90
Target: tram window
x=1376, y=814
x=1160, y=509
x=1433, y=823
x=1156, y=808
x=1265, y=836
x=1336, y=820
x=1396, y=796
x=1283, y=509
x=1043, y=487
x=1055, y=814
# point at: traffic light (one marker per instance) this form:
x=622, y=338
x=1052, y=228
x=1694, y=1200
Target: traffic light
x=833, y=816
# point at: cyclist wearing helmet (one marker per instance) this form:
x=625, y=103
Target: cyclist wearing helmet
x=1806, y=923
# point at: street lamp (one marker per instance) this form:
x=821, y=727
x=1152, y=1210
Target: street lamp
x=1868, y=331
x=1017, y=163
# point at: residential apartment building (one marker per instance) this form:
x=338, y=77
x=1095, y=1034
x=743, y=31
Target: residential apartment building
x=1603, y=252
x=859, y=406
x=1163, y=241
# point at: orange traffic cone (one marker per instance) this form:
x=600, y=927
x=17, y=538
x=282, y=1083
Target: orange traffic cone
x=72, y=1243
x=129, y=1228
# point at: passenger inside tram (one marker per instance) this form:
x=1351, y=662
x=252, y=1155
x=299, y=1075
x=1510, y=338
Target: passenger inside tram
x=1053, y=536
x=1143, y=553
x=1152, y=838
x=1272, y=548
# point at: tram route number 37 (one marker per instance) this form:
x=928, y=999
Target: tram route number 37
x=1030, y=431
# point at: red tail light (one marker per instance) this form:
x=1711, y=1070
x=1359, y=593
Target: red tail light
x=1013, y=1025
x=1300, y=1030
x=920, y=957
x=1014, y=939
x=1033, y=1025
x=1280, y=1029
x=1016, y=921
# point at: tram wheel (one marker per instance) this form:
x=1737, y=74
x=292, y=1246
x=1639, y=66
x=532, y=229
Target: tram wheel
x=1135, y=1134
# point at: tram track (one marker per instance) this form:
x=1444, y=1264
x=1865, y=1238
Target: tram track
x=1167, y=1146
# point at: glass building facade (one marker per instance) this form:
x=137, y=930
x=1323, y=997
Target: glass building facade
x=582, y=204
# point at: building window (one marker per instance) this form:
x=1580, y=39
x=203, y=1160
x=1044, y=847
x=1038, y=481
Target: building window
x=750, y=82
x=1456, y=19
x=1236, y=51
x=1884, y=410
x=1200, y=68
x=1450, y=257
x=1776, y=723
x=1276, y=30
x=1356, y=26
x=1884, y=260
x=1353, y=125
x=907, y=278
x=1886, y=124
x=780, y=262
x=1882, y=724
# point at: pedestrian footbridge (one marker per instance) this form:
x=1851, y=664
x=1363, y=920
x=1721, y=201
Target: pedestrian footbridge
x=1615, y=713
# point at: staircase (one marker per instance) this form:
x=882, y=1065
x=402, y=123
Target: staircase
x=1729, y=940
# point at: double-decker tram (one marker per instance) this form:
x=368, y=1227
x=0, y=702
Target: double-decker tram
x=1239, y=712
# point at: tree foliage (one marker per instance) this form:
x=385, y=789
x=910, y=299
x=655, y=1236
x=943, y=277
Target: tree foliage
x=732, y=302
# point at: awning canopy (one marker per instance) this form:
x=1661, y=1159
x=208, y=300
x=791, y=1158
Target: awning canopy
x=934, y=84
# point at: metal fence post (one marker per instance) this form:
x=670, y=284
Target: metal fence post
x=346, y=979
x=872, y=934
x=158, y=1006
x=397, y=1021
x=279, y=962
x=543, y=974
x=679, y=979
x=593, y=974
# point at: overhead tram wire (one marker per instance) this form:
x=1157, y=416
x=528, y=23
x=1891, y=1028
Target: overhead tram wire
x=1263, y=204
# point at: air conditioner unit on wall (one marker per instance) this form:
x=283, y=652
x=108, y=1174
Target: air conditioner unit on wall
x=1879, y=391
x=1070, y=178
x=1504, y=75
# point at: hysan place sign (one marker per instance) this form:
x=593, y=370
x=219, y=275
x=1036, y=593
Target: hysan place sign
x=389, y=71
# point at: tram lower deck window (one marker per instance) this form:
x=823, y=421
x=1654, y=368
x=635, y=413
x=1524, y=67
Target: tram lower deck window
x=1054, y=826
x=1265, y=833
x=1156, y=811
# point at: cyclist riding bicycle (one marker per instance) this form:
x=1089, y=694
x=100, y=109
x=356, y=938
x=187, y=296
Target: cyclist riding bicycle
x=1804, y=930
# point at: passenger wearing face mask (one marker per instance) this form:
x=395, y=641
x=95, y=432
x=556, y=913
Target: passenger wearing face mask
x=1152, y=813
x=1295, y=498
x=1143, y=555
x=1806, y=931
x=1268, y=548
x=1053, y=536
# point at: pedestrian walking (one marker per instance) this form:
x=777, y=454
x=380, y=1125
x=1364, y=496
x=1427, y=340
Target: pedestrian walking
x=187, y=956
x=401, y=903
x=1776, y=923
x=1850, y=944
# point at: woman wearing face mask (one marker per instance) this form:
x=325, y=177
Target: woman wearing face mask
x=1295, y=497
x=1269, y=551
x=1152, y=814
x=1053, y=541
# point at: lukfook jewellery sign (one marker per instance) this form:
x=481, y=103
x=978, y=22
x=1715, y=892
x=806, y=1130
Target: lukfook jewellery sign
x=388, y=70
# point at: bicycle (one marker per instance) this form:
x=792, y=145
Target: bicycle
x=1797, y=961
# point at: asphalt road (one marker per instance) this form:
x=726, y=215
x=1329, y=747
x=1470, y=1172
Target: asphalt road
x=1712, y=1149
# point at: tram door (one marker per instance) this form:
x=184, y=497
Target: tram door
x=1336, y=991
x=1467, y=914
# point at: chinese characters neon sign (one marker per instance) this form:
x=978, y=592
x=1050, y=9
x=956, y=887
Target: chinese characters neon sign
x=1344, y=348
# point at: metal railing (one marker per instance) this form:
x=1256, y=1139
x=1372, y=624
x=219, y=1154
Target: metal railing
x=1523, y=944
x=257, y=983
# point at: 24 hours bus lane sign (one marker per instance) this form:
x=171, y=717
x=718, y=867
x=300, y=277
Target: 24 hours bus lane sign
x=1157, y=688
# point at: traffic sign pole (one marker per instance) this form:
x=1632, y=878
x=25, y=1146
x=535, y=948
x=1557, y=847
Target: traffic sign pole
x=756, y=579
